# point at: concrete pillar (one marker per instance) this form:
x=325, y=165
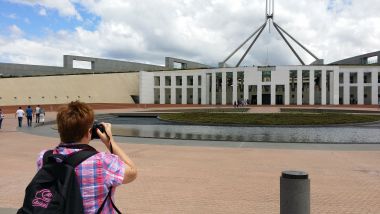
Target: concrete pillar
x=173, y=90
x=245, y=90
x=184, y=89
x=375, y=85
x=234, y=87
x=213, y=88
x=259, y=94
x=208, y=91
x=287, y=93
x=346, y=88
x=294, y=193
x=273, y=94
x=311, y=87
x=360, y=88
x=335, y=91
x=195, y=89
x=67, y=61
x=323, y=85
x=224, y=88
x=204, y=89
x=299, y=87
x=162, y=89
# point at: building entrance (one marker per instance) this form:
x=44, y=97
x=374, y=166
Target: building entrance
x=266, y=99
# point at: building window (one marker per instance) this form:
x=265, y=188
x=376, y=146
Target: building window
x=156, y=81
x=168, y=81
x=353, y=77
x=189, y=80
x=199, y=80
x=218, y=82
x=367, y=77
x=266, y=76
x=293, y=80
x=178, y=80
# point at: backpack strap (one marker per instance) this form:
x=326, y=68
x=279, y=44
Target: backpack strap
x=104, y=202
x=73, y=159
x=78, y=157
x=46, y=156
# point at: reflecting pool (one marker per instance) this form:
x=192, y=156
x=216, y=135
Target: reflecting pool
x=155, y=128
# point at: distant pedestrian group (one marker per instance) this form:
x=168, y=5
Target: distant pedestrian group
x=241, y=103
x=39, y=113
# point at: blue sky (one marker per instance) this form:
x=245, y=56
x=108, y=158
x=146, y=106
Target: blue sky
x=42, y=31
x=35, y=25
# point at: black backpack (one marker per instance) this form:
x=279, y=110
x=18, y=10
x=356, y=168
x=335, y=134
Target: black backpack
x=55, y=189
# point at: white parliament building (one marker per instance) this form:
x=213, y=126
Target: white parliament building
x=277, y=85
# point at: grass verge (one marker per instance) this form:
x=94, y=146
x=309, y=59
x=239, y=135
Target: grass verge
x=269, y=119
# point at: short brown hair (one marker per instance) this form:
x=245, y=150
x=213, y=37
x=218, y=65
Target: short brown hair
x=74, y=121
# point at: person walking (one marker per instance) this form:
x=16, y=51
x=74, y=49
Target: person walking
x=20, y=114
x=29, y=115
x=37, y=113
x=42, y=116
x=1, y=117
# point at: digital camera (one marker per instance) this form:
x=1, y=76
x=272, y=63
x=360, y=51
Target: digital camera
x=96, y=125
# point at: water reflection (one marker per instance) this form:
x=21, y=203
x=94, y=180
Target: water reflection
x=154, y=128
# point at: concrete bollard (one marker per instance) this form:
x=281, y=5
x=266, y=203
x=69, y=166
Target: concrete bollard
x=294, y=193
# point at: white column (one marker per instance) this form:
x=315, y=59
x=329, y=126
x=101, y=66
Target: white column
x=259, y=94
x=173, y=90
x=346, y=88
x=204, y=89
x=213, y=88
x=208, y=91
x=375, y=85
x=184, y=89
x=299, y=87
x=162, y=89
x=273, y=94
x=234, y=87
x=360, y=88
x=287, y=92
x=245, y=91
x=311, y=87
x=224, y=88
x=335, y=87
x=323, y=85
x=195, y=89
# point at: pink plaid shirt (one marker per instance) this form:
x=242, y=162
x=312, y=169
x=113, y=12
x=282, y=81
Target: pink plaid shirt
x=95, y=176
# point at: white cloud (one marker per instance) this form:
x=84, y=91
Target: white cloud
x=64, y=7
x=42, y=12
x=15, y=31
x=205, y=31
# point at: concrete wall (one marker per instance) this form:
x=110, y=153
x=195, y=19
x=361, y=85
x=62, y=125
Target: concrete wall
x=97, y=88
x=98, y=64
x=185, y=64
x=358, y=60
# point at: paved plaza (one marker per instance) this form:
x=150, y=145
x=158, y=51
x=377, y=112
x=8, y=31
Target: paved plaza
x=178, y=177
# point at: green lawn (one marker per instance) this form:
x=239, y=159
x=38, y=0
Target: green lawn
x=269, y=119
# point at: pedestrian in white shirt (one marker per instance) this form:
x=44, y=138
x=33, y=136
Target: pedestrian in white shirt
x=20, y=114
